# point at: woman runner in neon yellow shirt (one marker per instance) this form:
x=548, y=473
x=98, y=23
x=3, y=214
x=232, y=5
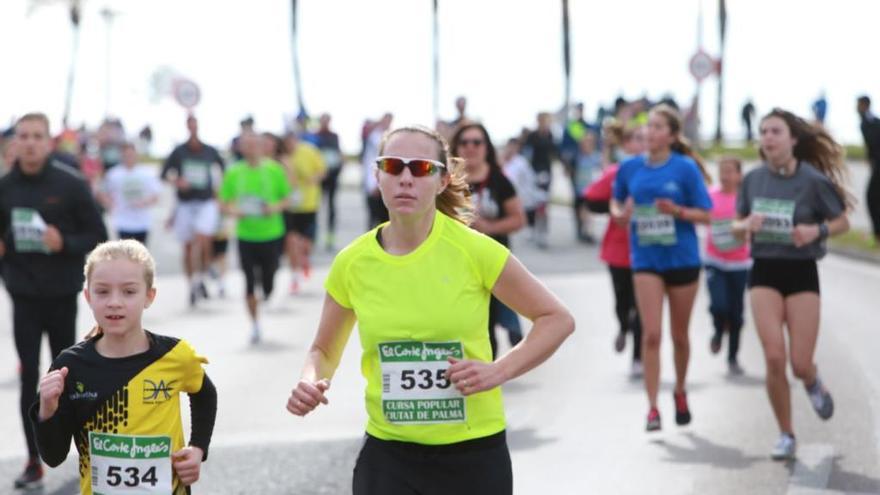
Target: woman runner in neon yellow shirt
x=419, y=287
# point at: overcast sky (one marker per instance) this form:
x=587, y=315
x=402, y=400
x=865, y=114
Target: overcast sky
x=361, y=58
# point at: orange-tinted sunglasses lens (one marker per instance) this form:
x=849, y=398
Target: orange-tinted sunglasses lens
x=417, y=167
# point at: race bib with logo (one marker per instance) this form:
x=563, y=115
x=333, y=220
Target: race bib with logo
x=653, y=227
x=722, y=235
x=296, y=198
x=197, y=173
x=332, y=158
x=133, y=191
x=28, y=229
x=415, y=389
x=129, y=464
x=778, y=220
x=252, y=206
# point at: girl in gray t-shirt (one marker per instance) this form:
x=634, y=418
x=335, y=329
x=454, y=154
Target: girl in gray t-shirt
x=789, y=207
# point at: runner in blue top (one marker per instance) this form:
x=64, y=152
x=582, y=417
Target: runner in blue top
x=662, y=194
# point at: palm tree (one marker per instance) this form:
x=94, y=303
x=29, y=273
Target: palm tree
x=75, y=8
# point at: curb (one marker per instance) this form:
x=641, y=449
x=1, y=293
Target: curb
x=855, y=254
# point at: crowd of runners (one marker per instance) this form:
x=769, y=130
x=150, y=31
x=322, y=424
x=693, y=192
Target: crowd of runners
x=440, y=206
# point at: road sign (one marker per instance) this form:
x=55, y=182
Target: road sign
x=702, y=65
x=187, y=93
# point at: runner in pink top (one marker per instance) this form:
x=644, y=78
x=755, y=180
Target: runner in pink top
x=615, y=247
x=727, y=263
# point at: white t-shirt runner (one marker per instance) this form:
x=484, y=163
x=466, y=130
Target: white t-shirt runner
x=129, y=188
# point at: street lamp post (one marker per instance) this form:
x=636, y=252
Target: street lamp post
x=109, y=16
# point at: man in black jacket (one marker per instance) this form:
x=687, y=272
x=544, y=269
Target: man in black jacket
x=48, y=223
x=871, y=132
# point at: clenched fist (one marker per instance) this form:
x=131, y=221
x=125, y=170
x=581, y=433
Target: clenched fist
x=51, y=388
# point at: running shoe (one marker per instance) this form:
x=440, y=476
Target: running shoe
x=653, y=423
x=255, y=335
x=31, y=477
x=193, y=297
x=330, y=242
x=821, y=399
x=620, y=342
x=785, y=448
x=636, y=370
x=203, y=291
x=682, y=413
x=734, y=369
x=715, y=343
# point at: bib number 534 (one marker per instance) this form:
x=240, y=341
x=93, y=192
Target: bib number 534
x=131, y=476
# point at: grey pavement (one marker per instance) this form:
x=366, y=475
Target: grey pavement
x=576, y=424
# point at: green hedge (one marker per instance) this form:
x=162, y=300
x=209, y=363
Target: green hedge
x=749, y=153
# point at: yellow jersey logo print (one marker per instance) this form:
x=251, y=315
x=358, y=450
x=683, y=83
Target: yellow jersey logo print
x=155, y=393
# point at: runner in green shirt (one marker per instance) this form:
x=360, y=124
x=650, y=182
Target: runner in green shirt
x=255, y=191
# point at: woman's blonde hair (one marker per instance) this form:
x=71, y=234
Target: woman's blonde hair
x=455, y=200
x=681, y=144
x=128, y=249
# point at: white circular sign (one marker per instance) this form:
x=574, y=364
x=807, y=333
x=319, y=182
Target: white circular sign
x=701, y=65
x=187, y=93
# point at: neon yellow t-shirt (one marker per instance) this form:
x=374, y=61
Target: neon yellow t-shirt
x=413, y=311
x=307, y=164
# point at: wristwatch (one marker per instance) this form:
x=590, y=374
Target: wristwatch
x=823, y=231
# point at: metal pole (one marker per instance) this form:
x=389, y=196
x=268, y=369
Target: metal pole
x=436, y=63
x=108, y=16
x=722, y=25
x=566, y=57
x=295, y=52
x=74, y=50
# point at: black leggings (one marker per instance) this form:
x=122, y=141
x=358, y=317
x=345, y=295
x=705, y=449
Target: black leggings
x=873, y=198
x=625, y=307
x=329, y=185
x=138, y=236
x=31, y=317
x=262, y=257
x=474, y=467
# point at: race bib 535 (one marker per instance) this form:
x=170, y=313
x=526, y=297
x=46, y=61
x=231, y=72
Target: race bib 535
x=414, y=384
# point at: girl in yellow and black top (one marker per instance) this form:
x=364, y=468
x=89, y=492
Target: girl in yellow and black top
x=117, y=393
x=419, y=288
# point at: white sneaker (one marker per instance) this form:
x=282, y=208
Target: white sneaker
x=784, y=449
x=255, y=335
x=636, y=371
